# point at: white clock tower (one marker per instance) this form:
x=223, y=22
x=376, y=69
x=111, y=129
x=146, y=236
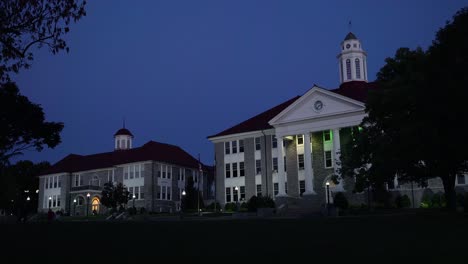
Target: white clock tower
x=352, y=60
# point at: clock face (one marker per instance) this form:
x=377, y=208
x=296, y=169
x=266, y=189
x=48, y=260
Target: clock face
x=318, y=105
x=348, y=46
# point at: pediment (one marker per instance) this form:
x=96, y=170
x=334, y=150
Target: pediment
x=317, y=103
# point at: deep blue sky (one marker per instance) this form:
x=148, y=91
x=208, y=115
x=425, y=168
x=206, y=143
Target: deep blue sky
x=179, y=71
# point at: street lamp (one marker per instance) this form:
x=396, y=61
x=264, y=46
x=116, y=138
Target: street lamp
x=74, y=206
x=27, y=199
x=50, y=201
x=182, y=202
x=87, y=204
x=328, y=198
x=133, y=200
x=237, y=198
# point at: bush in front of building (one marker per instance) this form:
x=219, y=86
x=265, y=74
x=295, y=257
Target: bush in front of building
x=259, y=202
x=244, y=207
x=230, y=207
x=341, y=201
x=403, y=201
x=211, y=207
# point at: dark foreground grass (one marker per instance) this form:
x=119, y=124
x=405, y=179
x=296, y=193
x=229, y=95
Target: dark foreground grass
x=425, y=237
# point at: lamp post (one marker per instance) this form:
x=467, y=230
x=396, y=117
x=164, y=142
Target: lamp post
x=74, y=206
x=182, y=202
x=87, y=204
x=328, y=198
x=133, y=198
x=50, y=201
x=237, y=198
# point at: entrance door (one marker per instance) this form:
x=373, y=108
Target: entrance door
x=95, y=205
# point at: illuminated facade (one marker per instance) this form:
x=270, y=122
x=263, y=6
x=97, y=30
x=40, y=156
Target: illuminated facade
x=155, y=175
x=290, y=151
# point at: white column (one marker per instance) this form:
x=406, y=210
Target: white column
x=281, y=178
x=337, y=154
x=308, y=172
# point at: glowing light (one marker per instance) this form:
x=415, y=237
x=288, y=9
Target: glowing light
x=88, y=195
x=183, y=192
x=27, y=199
x=327, y=183
x=74, y=200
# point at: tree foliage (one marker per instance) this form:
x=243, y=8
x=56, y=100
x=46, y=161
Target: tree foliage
x=22, y=125
x=193, y=199
x=414, y=127
x=25, y=23
x=21, y=179
x=113, y=196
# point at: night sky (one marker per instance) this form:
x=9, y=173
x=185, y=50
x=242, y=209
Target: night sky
x=179, y=71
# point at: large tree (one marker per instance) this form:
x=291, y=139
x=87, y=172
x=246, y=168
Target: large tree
x=415, y=124
x=22, y=125
x=114, y=196
x=26, y=23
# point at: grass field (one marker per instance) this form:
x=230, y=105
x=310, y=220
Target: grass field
x=429, y=237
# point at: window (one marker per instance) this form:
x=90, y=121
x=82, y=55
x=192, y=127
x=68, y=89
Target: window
x=258, y=167
x=234, y=146
x=300, y=161
x=130, y=190
x=164, y=174
x=242, y=193
x=234, y=169
x=259, y=190
x=284, y=160
x=126, y=173
x=55, y=182
x=274, y=142
x=78, y=181
x=227, y=148
x=236, y=194
x=228, y=170
x=58, y=201
x=132, y=171
x=81, y=200
x=301, y=187
x=275, y=164
x=51, y=182
x=136, y=192
x=178, y=175
x=159, y=174
x=326, y=135
x=228, y=194
x=241, y=146
x=286, y=187
x=169, y=172
x=275, y=188
x=257, y=144
x=300, y=139
x=142, y=170
x=142, y=193
x=328, y=159
x=461, y=179
x=348, y=69
x=358, y=69
x=163, y=191
x=241, y=169
x=59, y=179
x=168, y=193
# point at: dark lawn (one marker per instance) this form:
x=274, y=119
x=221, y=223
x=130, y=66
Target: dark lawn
x=424, y=236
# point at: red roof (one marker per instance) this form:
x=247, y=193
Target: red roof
x=152, y=150
x=123, y=131
x=356, y=90
x=258, y=122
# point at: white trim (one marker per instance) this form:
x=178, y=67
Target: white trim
x=237, y=136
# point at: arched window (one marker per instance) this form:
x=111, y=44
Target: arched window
x=358, y=69
x=348, y=69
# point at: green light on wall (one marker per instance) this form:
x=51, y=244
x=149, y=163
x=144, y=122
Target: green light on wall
x=359, y=128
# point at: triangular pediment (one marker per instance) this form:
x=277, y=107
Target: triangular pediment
x=317, y=103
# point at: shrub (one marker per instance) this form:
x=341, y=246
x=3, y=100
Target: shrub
x=243, y=207
x=142, y=210
x=132, y=210
x=340, y=201
x=230, y=207
x=211, y=207
x=438, y=200
x=259, y=202
x=403, y=201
